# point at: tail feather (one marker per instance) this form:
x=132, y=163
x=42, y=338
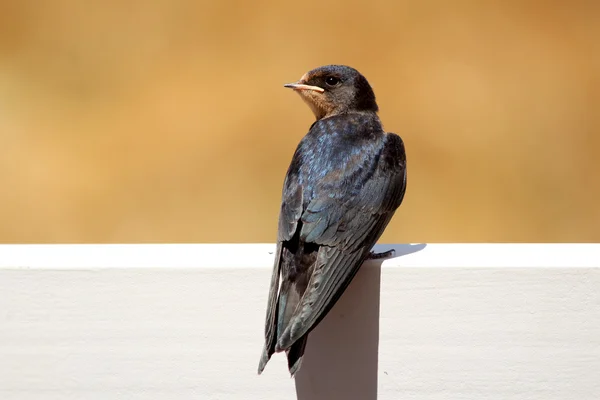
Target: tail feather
x=295, y=354
x=295, y=266
x=264, y=359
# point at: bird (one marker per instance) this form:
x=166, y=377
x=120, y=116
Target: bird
x=346, y=179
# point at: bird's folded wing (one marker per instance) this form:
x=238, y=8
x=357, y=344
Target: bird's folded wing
x=346, y=226
x=290, y=215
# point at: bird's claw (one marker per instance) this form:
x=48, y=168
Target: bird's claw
x=385, y=254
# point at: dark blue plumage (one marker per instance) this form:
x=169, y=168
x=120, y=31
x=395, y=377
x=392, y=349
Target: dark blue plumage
x=346, y=179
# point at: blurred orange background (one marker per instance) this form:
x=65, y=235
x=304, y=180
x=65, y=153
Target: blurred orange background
x=167, y=121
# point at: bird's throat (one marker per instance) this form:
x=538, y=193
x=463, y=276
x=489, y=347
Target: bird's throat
x=317, y=105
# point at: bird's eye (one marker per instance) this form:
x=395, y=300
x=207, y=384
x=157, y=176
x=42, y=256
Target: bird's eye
x=332, y=81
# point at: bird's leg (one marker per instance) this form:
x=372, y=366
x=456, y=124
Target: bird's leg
x=385, y=254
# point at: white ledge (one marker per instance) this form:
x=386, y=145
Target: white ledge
x=185, y=321
x=76, y=256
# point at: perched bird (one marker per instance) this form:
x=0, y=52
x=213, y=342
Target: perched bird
x=346, y=180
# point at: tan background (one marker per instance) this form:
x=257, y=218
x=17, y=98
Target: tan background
x=166, y=121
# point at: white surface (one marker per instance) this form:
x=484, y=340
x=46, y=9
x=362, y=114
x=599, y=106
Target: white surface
x=186, y=322
x=259, y=255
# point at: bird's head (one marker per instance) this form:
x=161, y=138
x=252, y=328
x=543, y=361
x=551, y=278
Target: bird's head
x=335, y=89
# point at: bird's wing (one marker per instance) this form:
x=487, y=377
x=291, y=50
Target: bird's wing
x=291, y=210
x=345, y=217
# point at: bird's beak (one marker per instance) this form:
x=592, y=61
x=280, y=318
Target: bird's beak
x=301, y=86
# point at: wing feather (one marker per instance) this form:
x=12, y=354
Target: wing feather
x=343, y=218
x=346, y=232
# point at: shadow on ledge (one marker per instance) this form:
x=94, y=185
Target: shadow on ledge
x=341, y=355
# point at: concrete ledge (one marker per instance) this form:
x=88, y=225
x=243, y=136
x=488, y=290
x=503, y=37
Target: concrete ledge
x=438, y=321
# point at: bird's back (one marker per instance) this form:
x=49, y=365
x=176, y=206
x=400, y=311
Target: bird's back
x=325, y=196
